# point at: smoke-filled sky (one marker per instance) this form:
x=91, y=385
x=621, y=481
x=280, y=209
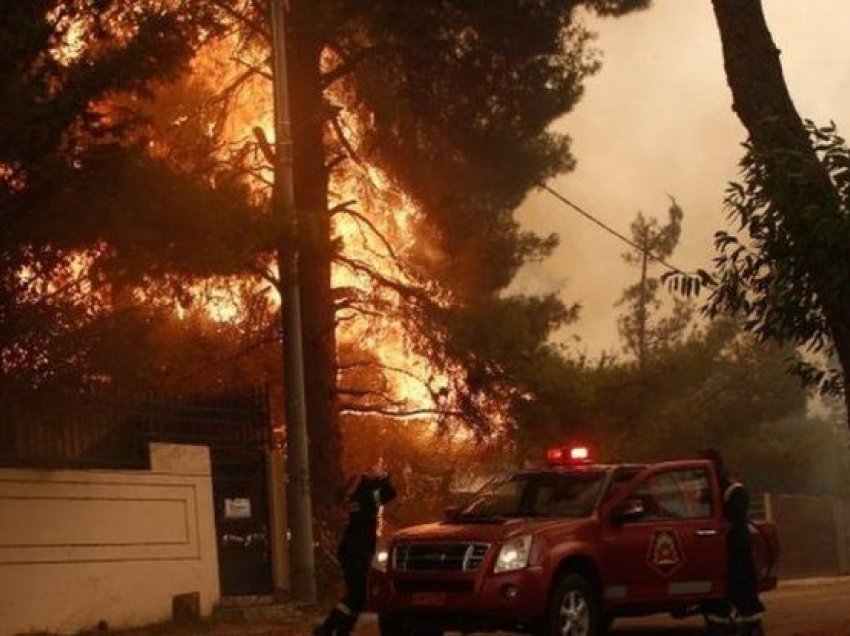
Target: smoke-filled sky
x=657, y=119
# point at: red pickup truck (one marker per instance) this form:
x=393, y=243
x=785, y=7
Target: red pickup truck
x=565, y=549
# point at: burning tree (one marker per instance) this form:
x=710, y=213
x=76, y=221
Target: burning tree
x=91, y=213
x=418, y=129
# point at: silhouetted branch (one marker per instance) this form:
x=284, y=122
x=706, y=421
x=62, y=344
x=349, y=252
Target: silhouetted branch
x=365, y=220
x=398, y=414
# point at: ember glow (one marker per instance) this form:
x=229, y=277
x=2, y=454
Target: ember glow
x=373, y=221
x=70, y=40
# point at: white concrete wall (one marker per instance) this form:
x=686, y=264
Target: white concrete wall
x=81, y=546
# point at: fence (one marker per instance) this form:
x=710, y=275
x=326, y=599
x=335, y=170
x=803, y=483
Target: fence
x=814, y=534
x=107, y=431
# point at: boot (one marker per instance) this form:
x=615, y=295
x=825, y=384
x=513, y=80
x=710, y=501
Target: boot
x=334, y=623
x=346, y=625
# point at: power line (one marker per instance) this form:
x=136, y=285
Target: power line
x=610, y=229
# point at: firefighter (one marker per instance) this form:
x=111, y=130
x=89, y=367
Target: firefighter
x=364, y=497
x=741, y=611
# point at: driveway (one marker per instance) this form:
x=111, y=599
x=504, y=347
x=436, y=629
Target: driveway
x=797, y=608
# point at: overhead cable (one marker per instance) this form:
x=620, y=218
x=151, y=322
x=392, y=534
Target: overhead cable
x=609, y=229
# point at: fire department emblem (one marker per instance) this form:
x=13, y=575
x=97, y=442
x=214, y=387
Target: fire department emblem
x=665, y=551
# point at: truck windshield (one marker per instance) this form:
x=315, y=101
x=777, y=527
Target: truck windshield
x=567, y=494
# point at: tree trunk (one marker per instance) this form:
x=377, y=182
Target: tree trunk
x=763, y=104
x=311, y=197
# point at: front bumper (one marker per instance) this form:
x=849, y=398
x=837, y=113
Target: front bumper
x=462, y=599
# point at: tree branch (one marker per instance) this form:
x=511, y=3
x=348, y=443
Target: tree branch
x=351, y=409
x=227, y=7
x=340, y=134
x=362, y=218
x=264, y=145
x=253, y=67
x=407, y=291
x=264, y=273
x=347, y=65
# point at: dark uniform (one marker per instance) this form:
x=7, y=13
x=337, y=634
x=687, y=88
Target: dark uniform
x=356, y=550
x=741, y=611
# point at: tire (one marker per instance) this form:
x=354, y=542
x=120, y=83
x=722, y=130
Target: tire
x=574, y=609
x=389, y=625
x=393, y=625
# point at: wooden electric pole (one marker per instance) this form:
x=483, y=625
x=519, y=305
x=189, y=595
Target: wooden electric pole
x=643, y=301
x=298, y=498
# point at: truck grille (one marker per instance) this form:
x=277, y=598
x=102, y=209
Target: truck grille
x=424, y=557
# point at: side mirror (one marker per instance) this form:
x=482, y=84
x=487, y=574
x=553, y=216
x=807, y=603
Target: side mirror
x=630, y=510
x=451, y=513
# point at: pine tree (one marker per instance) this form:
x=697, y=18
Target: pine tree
x=640, y=333
x=455, y=98
x=84, y=206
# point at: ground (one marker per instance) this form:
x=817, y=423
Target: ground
x=797, y=608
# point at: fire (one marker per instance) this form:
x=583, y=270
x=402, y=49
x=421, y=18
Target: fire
x=70, y=31
x=380, y=231
x=375, y=222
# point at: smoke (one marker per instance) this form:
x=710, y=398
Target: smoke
x=657, y=119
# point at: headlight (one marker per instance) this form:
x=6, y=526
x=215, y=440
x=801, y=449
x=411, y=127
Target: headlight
x=381, y=559
x=514, y=554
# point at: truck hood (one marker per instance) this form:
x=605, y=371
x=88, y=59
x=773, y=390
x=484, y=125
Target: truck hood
x=488, y=532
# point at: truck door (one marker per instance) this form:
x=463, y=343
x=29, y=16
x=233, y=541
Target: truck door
x=675, y=551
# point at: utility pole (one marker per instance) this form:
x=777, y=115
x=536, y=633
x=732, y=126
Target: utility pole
x=642, y=317
x=299, y=503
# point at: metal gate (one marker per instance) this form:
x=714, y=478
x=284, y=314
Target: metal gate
x=242, y=522
x=237, y=430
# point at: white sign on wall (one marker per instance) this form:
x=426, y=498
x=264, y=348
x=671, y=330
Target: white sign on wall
x=237, y=508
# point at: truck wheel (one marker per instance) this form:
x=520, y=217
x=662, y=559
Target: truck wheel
x=574, y=609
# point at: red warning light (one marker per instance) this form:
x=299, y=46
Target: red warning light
x=555, y=456
x=579, y=453
x=563, y=455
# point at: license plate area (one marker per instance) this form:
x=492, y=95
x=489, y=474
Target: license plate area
x=429, y=599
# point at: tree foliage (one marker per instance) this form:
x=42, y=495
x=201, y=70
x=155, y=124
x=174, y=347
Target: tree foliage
x=774, y=277
x=719, y=387
x=641, y=332
x=459, y=97
x=451, y=101
x=790, y=276
x=95, y=220
x=117, y=206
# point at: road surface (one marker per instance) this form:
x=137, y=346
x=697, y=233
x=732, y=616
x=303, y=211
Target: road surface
x=799, y=608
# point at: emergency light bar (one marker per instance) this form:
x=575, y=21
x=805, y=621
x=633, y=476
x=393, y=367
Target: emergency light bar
x=563, y=455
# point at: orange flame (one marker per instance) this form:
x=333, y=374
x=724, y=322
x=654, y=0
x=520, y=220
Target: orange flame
x=379, y=230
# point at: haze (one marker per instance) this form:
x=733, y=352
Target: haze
x=657, y=119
